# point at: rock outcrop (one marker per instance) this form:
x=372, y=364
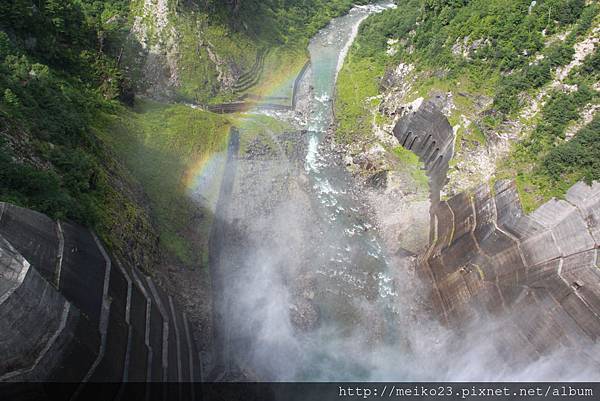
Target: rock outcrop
x=72, y=313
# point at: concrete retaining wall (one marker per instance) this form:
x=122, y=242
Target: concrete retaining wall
x=248, y=102
x=70, y=312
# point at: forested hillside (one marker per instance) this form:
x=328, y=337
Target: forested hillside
x=520, y=79
x=79, y=131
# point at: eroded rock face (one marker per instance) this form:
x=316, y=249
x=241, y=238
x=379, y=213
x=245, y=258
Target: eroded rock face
x=541, y=270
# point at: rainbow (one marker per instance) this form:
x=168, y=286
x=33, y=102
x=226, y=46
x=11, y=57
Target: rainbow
x=201, y=179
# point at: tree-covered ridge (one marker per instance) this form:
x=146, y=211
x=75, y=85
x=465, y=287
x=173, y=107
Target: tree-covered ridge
x=278, y=21
x=506, y=39
x=499, y=59
x=547, y=162
x=54, y=76
x=511, y=30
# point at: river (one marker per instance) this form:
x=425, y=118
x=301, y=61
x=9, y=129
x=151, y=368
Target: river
x=303, y=282
x=304, y=290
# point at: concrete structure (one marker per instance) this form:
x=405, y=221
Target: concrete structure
x=488, y=258
x=428, y=134
x=69, y=312
x=248, y=101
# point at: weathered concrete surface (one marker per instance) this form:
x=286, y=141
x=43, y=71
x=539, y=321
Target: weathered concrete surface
x=541, y=270
x=536, y=276
x=33, y=317
x=71, y=312
x=426, y=132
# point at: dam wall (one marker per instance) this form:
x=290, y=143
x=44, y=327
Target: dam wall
x=488, y=258
x=70, y=312
x=249, y=102
x=427, y=133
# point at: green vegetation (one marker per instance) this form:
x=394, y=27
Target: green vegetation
x=58, y=71
x=546, y=164
x=276, y=21
x=239, y=30
x=164, y=146
x=281, y=67
x=410, y=163
x=499, y=39
x=507, y=31
x=491, y=55
x=578, y=158
x=23, y=184
x=259, y=127
x=200, y=39
x=357, y=82
x=51, y=86
x=539, y=73
x=76, y=144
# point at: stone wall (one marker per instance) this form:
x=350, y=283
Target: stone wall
x=72, y=313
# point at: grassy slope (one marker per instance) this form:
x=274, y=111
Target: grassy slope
x=258, y=127
x=159, y=144
x=357, y=82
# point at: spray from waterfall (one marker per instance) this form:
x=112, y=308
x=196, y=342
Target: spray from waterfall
x=309, y=292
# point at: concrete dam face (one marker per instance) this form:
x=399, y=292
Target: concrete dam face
x=427, y=133
x=73, y=313
x=69, y=312
x=488, y=260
